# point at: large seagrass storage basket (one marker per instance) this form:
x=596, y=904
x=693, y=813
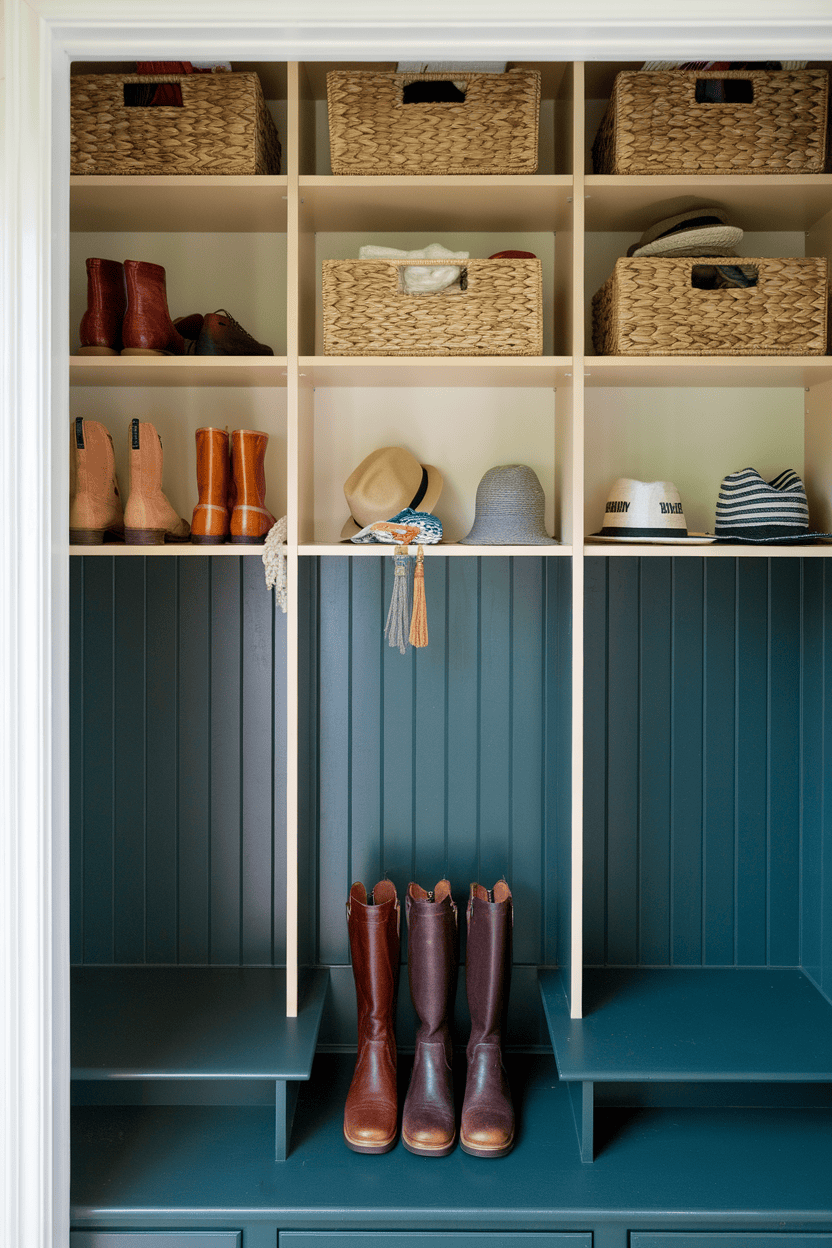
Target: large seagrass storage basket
x=372, y=130
x=650, y=307
x=654, y=124
x=367, y=311
x=223, y=126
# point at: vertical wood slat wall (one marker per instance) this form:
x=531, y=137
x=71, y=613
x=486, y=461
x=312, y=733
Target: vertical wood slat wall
x=707, y=840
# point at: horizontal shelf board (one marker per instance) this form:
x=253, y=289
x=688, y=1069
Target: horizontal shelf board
x=704, y=1024
x=168, y=204
x=192, y=1023
x=820, y=550
x=178, y=370
x=515, y=203
x=350, y=549
x=170, y=549
x=538, y=371
x=654, y=1164
x=707, y=370
x=754, y=201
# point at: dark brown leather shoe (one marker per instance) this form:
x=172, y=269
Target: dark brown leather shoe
x=371, y=1110
x=100, y=330
x=222, y=335
x=487, y=1128
x=147, y=328
x=428, y=1122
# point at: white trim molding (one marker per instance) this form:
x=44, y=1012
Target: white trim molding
x=40, y=39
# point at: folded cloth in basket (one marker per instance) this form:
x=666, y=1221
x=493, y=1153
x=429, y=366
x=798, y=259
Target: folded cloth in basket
x=421, y=279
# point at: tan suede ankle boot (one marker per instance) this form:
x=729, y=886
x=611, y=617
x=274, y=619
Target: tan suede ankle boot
x=250, y=520
x=94, y=500
x=209, y=524
x=149, y=519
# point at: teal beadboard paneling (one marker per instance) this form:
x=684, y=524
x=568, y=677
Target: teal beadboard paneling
x=706, y=706
x=449, y=761
x=177, y=794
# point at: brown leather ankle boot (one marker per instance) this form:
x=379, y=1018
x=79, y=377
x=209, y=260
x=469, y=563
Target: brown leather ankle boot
x=250, y=519
x=94, y=501
x=100, y=330
x=209, y=525
x=149, y=519
x=370, y=1113
x=147, y=328
x=428, y=1120
x=487, y=1128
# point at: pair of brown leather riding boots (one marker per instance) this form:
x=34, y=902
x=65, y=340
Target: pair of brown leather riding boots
x=428, y=1119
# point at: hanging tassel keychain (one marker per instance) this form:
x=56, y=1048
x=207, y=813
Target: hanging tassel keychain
x=395, y=630
x=419, y=619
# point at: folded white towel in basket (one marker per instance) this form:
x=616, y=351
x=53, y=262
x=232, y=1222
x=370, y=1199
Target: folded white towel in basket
x=421, y=280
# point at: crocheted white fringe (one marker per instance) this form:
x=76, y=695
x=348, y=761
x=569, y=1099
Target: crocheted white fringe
x=274, y=561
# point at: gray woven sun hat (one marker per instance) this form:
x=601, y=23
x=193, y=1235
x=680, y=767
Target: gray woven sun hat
x=509, y=509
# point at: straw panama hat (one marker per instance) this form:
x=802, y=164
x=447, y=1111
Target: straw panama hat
x=697, y=232
x=385, y=483
x=509, y=509
x=646, y=511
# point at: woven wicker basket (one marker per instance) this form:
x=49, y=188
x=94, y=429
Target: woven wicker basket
x=223, y=127
x=372, y=131
x=650, y=307
x=366, y=311
x=654, y=125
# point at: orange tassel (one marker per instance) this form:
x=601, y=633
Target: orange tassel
x=419, y=619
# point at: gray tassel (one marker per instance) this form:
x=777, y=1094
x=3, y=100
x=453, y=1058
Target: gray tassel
x=397, y=628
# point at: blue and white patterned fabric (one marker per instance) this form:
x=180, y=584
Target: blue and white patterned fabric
x=750, y=509
x=398, y=530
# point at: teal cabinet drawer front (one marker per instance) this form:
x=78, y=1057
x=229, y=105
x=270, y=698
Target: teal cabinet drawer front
x=431, y=1239
x=729, y=1239
x=155, y=1239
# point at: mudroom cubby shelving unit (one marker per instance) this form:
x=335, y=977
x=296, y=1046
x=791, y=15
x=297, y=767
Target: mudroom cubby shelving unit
x=637, y=737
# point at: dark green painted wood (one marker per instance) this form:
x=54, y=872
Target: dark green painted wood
x=155, y=1239
x=558, y=849
x=129, y=764
x=720, y=720
x=813, y=699
x=460, y=735
x=697, y=1169
x=655, y=703
x=783, y=850
x=495, y=719
x=279, y=672
x=431, y=1239
x=192, y=1023
x=363, y=747
x=193, y=760
x=427, y=763
x=727, y=1239
x=226, y=748
x=825, y=864
x=704, y=1024
x=752, y=700
x=596, y=610
x=687, y=761
x=622, y=764
x=528, y=759
x=583, y=1111
x=76, y=759
x=99, y=898
x=162, y=760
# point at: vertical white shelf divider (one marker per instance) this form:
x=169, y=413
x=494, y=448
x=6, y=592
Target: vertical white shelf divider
x=577, y=346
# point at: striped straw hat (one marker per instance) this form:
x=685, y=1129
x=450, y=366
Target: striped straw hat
x=509, y=510
x=750, y=509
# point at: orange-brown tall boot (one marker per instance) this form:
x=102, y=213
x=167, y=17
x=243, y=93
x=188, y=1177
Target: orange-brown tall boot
x=100, y=330
x=250, y=520
x=210, y=522
x=149, y=519
x=147, y=327
x=94, y=501
x=371, y=1110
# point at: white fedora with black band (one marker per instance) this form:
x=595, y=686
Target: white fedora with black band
x=385, y=483
x=646, y=511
